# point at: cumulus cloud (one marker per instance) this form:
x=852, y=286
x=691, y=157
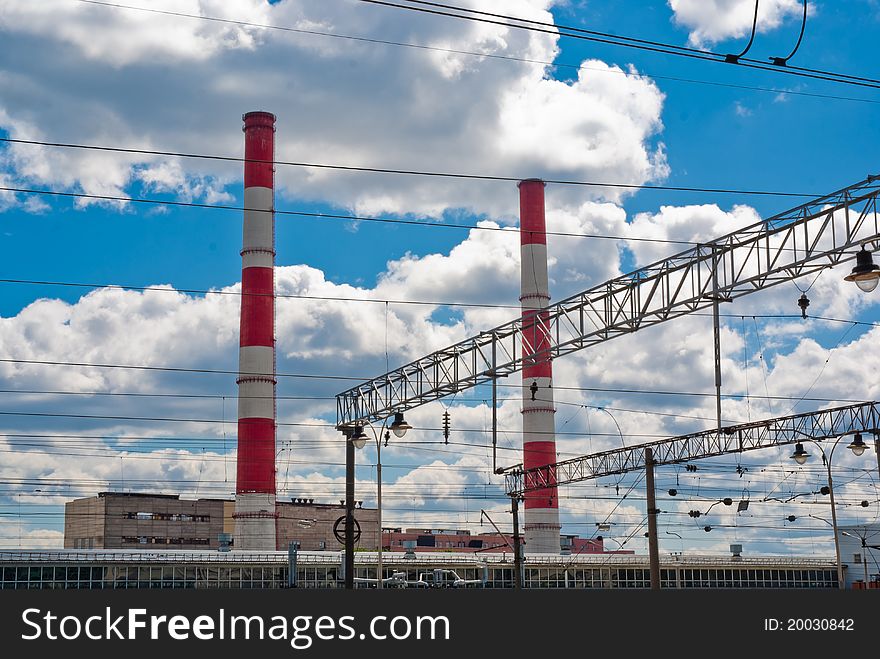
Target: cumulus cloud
x=710, y=21
x=334, y=337
x=172, y=83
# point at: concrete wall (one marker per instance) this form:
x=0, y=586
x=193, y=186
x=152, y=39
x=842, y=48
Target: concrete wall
x=312, y=524
x=136, y=521
x=84, y=524
x=157, y=522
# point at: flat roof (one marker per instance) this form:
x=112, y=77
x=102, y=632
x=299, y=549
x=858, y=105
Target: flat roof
x=433, y=559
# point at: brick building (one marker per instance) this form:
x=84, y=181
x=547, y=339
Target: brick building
x=123, y=520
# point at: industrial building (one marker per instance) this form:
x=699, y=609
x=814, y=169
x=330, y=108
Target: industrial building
x=123, y=520
x=96, y=569
x=140, y=521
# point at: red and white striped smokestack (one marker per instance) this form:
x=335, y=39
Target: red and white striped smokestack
x=539, y=440
x=255, y=514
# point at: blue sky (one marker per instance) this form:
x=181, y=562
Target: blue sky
x=177, y=84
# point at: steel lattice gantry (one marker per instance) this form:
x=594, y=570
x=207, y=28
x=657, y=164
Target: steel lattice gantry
x=798, y=242
x=862, y=417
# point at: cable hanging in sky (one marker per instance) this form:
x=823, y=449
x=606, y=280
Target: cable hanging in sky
x=469, y=53
x=615, y=40
x=783, y=61
x=383, y=170
x=734, y=59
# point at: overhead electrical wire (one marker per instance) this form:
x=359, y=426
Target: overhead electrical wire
x=283, y=423
x=336, y=216
x=475, y=54
x=362, y=379
x=374, y=300
x=407, y=172
x=617, y=40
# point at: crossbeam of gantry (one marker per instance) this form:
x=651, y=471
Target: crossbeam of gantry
x=819, y=234
x=780, y=431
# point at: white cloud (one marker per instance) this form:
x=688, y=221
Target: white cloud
x=710, y=21
x=326, y=337
x=128, y=37
x=154, y=81
x=742, y=110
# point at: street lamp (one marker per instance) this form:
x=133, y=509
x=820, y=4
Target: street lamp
x=866, y=274
x=359, y=439
x=399, y=426
x=800, y=455
x=857, y=446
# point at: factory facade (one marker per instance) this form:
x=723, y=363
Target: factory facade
x=117, y=520
x=139, y=521
x=103, y=569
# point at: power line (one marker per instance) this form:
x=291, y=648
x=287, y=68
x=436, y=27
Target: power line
x=361, y=379
x=476, y=54
x=327, y=426
x=283, y=296
x=373, y=300
x=56, y=392
x=330, y=216
x=175, y=370
x=629, y=42
x=405, y=172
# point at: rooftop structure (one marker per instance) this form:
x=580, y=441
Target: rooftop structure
x=249, y=569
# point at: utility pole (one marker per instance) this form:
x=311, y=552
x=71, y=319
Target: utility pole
x=292, y=550
x=517, y=547
x=349, y=511
x=494, y=414
x=716, y=326
x=841, y=581
x=653, y=548
x=877, y=448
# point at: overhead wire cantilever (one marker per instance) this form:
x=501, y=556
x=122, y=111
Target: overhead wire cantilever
x=783, y=61
x=734, y=59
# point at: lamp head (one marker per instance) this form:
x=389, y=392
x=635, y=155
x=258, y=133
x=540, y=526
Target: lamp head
x=399, y=426
x=359, y=438
x=800, y=455
x=866, y=273
x=857, y=445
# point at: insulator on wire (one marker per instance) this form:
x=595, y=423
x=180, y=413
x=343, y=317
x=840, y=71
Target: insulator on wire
x=446, y=427
x=803, y=303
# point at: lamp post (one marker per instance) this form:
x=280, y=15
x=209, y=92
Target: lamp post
x=857, y=446
x=359, y=439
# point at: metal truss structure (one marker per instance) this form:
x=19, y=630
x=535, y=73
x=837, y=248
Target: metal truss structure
x=798, y=242
x=862, y=417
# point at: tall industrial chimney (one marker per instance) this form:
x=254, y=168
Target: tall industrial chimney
x=255, y=514
x=539, y=441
